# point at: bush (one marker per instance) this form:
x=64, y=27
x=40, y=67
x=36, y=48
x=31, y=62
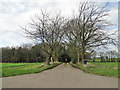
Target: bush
x=74, y=61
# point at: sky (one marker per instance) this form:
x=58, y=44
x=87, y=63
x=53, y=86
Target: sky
x=17, y=13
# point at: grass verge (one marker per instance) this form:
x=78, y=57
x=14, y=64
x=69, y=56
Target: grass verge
x=14, y=69
x=100, y=68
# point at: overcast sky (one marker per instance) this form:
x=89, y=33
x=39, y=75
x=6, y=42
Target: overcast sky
x=18, y=12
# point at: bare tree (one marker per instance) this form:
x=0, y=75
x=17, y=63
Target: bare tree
x=87, y=28
x=46, y=30
x=113, y=55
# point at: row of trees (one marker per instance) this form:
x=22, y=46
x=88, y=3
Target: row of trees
x=77, y=36
x=109, y=56
x=29, y=53
x=81, y=33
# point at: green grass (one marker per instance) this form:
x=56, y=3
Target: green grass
x=95, y=60
x=7, y=65
x=99, y=60
x=100, y=68
x=13, y=69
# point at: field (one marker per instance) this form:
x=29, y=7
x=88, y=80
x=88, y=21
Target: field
x=13, y=69
x=100, y=68
x=99, y=60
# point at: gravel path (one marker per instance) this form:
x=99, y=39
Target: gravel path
x=62, y=76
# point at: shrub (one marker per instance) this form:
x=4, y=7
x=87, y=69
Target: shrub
x=74, y=61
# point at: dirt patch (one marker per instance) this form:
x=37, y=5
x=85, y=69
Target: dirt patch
x=34, y=66
x=115, y=68
x=91, y=65
x=16, y=66
x=40, y=66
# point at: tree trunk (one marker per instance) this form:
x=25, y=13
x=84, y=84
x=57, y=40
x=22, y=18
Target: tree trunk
x=51, y=60
x=78, y=62
x=56, y=57
x=47, y=62
x=82, y=57
x=83, y=53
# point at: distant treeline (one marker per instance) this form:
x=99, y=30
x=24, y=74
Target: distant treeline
x=109, y=56
x=22, y=54
x=105, y=59
x=29, y=54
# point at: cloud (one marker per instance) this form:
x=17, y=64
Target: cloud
x=43, y=1
x=17, y=13
x=114, y=16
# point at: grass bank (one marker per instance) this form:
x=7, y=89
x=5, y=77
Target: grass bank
x=100, y=68
x=14, y=69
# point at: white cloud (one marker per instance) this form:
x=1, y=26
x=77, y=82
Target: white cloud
x=114, y=16
x=42, y=1
x=15, y=13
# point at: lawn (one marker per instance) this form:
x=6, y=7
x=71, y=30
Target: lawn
x=13, y=69
x=99, y=60
x=100, y=68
